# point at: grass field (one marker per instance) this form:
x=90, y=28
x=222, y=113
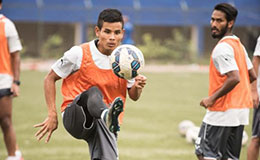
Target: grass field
x=150, y=129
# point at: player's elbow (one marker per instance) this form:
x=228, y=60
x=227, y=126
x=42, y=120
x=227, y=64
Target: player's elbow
x=134, y=98
x=252, y=75
x=236, y=80
x=252, y=78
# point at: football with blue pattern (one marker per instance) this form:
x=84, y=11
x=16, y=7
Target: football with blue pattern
x=127, y=61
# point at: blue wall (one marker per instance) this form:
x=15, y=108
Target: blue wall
x=141, y=12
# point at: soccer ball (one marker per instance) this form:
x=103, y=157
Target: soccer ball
x=192, y=134
x=244, y=138
x=184, y=126
x=126, y=61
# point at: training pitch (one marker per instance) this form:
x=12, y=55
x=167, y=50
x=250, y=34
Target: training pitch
x=150, y=129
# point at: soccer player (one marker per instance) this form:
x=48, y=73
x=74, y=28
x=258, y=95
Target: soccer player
x=93, y=96
x=10, y=46
x=229, y=100
x=253, y=149
x=129, y=28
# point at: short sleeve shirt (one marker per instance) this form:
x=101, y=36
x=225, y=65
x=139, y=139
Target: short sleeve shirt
x=14, y=45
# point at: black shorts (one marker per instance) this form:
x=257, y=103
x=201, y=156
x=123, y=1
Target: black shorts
x=5, y=92
x=102, y=143
x=217, y=142
x=256, y=121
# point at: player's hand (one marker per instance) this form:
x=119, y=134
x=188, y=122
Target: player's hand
x=15, y=90
x=207, y=102
x=48, y=126
x=140, y=81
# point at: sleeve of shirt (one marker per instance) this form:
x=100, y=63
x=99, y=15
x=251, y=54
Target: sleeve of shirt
x=257, y=47
x=14, y=43
x=69, y=63
x=223, y=58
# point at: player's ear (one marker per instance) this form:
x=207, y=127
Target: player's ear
x=97, y=31
x=230, y=24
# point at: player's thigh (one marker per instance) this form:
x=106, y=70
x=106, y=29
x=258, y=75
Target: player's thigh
x=234, y=142
x=256, y=123
x=5, y=106
x=211, y=141
x=74, y=121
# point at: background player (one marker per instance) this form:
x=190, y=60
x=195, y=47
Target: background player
x=9, y=82
x=253, y=148
x=229, y=100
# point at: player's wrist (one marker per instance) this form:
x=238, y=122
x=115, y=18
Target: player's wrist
x=17, y=82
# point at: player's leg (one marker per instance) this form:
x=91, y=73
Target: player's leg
x=254, y=146
x=93, y=105
x=234, y=143
x=85, y=107
x=75, y=119
x=253, y=149
x=6, y=124
x=102, y=143
x=210, y=142
x=82, y=120
x=92, y=102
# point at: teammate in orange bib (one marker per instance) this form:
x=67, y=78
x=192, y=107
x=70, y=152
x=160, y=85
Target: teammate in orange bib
x=229, y=100
x=254, y=146
x=93, y=96
x=10, y=46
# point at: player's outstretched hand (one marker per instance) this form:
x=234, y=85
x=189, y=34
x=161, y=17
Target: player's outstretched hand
x=48, y=126
x=140, y=81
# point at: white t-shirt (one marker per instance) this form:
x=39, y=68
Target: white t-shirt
x=257, y=53
x=14, y=45
x=224, y=60
x=71, y=61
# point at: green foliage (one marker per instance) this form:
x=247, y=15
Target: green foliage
x=175, y=49
x=52, y=48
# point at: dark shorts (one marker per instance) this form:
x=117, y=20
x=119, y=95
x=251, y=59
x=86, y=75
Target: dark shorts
x=102, y=143
x=5, y=92
x=256, y=121
x=217, y=142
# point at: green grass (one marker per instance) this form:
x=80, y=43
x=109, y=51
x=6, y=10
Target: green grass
x=150, y=129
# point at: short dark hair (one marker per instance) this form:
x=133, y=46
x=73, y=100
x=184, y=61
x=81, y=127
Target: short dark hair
x=0, y=1
x=230, y=11
x=110, y=15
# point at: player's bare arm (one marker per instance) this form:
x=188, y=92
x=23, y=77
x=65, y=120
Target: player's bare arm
x=135, y=92
x=50, y=124
x=255, y=96
x=252, y=75
x=232, y=80
x=15, y=61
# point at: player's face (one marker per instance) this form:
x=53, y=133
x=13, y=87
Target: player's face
x=110, y=36
x=219, y=24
